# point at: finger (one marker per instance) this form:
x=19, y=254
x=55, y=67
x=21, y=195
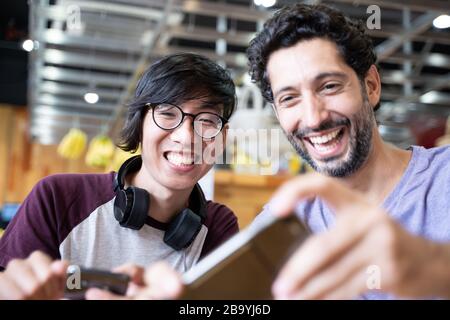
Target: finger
x=98, y=294
x=9, y=289
x=338, y=196
x=335, y=275
x=59, y=269
x=318, y=252
x=352, y=288
x=135, y=272
x=24, y=277
x=50, y=282
x=163, y=282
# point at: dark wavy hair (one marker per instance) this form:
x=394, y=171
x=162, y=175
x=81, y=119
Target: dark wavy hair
x=297, y=22
x=176, y=79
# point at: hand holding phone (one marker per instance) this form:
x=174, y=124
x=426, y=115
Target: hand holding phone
x=79, y=280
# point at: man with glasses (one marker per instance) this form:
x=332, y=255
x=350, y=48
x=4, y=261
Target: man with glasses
x=152, y=209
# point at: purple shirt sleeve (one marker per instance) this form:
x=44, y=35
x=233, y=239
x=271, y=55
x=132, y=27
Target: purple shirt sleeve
x=32, y=228
x=55, y=205
x=221, y=223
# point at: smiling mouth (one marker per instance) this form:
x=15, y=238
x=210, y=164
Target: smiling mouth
x=179, y=159
x=326, y=142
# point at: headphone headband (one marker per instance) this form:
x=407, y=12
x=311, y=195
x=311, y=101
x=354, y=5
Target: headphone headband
x=132, y=164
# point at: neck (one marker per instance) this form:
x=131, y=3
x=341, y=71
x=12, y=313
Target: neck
x=164, y=203
x=381, y=172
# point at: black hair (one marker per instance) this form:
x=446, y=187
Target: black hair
x=297, y=22
x=176, y=79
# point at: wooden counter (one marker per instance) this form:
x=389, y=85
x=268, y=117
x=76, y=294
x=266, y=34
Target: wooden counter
x=245, y=194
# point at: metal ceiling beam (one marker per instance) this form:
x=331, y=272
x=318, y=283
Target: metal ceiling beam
x=51, y=100
x=432, y=84
x=419, y=25
x=66, y=124
x=228, y=10
x=389, y=30
x=210, y=35
x=74, y=90
x=58, y=37
x=119, y=9
x=417, y=5
x=398, y=77
x=116, y=119
x=438, y=60
x=45, y=110
x=235, y=60
x=86, y=60
x=98, y=78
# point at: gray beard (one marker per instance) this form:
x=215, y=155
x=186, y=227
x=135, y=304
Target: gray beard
x=360, y=128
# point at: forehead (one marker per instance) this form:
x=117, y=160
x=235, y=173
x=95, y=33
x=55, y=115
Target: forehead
x=201, y=105
x=304, y=61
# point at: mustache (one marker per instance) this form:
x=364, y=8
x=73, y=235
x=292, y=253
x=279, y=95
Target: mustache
x=326, y=125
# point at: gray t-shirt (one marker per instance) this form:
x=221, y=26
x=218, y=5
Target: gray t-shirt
x=420, y=202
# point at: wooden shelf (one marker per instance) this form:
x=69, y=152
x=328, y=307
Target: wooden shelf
x=245, y=194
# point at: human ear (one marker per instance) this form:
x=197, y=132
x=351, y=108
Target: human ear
x=372, y=83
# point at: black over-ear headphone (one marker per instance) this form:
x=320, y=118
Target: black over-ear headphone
x=131, y=209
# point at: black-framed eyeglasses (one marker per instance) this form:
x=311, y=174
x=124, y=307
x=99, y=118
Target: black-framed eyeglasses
x=168, y=116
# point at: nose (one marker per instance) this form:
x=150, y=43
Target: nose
x=184, y=133
x=314, y=111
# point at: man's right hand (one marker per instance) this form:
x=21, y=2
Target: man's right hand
x=34, y=278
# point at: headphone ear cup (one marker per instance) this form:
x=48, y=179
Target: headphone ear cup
x=122, y=205
x=138, y=201
x=183, y=229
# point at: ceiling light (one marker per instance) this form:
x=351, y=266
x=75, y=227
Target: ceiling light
x=442, y=22
x=265, y=3
x=429, y=97
x=91, y=97
x=28, y=45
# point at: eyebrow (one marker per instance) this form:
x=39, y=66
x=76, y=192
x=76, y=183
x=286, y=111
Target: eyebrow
x=317, y=78
x=219, y=108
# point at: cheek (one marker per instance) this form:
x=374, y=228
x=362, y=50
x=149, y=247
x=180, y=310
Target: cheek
x=289, y=119
x=210, y=151
x=346, y=104
x=152, y=140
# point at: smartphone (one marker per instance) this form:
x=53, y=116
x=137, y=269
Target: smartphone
x=245, y=266
x=80, y=279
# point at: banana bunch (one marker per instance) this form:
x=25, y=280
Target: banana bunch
x=100, y=152
x=120, y=157
x=72, y=144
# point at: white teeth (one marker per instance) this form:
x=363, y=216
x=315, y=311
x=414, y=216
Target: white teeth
x=317, y=140
x=179, y=160
x=321, y=148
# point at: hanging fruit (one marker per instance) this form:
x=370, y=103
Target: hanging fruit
x=100, y=152
x=120, y=157
x=72, y=144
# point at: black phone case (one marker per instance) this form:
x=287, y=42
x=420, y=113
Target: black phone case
x=93, y=278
